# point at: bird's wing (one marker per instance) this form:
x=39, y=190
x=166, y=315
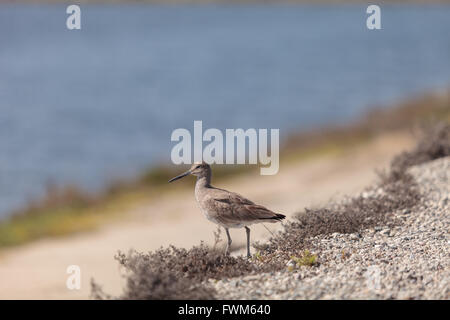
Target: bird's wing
x=232, y=207
x=231, y=198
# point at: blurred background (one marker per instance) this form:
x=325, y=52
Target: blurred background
x=94, y=107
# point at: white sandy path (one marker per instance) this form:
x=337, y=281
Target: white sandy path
x=38, y=270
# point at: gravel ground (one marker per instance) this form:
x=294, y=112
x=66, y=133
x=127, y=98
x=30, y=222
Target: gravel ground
x=409, y=260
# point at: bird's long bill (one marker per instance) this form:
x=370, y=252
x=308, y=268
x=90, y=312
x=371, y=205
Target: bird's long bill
x=181, y=176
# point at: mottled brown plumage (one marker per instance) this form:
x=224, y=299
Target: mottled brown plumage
x=225, y=208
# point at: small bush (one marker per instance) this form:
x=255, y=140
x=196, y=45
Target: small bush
x=155, y=276
x=307, y=259
x=176, y=273
x=434, y=143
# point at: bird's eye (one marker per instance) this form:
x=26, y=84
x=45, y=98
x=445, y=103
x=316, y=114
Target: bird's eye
x=197, y=167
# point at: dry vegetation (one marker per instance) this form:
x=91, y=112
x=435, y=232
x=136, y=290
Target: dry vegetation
x=175, y=273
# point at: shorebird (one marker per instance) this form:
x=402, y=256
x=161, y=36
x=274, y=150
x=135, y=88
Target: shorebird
x=225, y=208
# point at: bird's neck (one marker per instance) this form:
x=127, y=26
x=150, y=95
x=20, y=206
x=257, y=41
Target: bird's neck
x=203, y=182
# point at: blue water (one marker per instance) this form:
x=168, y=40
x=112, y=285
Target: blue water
x=92, y=105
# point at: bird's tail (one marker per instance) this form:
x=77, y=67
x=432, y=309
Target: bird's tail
x=276, y=217
x=279, y=216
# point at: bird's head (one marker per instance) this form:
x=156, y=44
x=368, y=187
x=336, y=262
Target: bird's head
x=198, y=169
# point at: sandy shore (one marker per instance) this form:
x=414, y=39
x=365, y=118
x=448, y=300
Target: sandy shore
x=38, y=270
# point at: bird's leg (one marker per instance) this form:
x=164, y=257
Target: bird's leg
x=227, y=250
x=247, y=229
